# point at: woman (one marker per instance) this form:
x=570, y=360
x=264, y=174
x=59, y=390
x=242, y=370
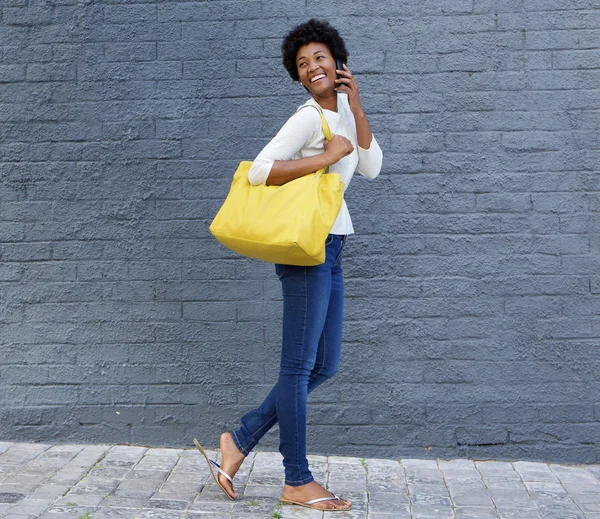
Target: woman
x=312, y=296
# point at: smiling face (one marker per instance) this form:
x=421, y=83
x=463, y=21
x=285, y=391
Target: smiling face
x=316, y=68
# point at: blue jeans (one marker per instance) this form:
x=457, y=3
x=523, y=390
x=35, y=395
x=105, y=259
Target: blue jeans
x=313, y=307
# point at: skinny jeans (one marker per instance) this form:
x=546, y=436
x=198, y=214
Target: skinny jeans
x=313, y=307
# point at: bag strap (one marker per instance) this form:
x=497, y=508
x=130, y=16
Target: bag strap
x=324, y=124
x=326, y=132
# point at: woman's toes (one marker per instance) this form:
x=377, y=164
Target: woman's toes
x=228, y=486
x=342, y=503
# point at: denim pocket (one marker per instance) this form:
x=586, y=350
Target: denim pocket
x=329, y=239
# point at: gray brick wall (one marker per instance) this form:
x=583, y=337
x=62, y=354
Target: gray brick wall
x=473, y=286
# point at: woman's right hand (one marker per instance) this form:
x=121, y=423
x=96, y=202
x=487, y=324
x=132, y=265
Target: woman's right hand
x=337, y=148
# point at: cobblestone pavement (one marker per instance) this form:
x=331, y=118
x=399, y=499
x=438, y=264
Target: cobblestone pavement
x=126, y=482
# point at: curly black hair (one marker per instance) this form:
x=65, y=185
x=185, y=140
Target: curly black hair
x=314, y=30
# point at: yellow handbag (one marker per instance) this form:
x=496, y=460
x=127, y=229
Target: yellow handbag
x=280, y=224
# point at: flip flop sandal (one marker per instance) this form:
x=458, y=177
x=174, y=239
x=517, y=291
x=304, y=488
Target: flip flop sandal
x=313, y=501
x=215, y=468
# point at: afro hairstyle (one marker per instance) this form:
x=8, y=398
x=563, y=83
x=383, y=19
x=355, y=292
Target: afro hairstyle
x=314, y=30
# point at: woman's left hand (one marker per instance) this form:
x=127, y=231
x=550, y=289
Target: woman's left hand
x=349, y=85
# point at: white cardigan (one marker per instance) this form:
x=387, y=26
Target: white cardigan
x=302, y=136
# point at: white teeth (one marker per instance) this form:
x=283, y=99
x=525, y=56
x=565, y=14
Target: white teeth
x=317, y=77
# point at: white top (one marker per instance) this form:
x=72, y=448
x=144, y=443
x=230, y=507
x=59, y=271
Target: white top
x=302, y=136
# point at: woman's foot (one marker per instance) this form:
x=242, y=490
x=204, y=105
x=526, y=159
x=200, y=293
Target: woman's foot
x=231, y=461
x=312, y=491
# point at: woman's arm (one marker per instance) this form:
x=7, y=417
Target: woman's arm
x=300, y=129
x=273, y=165
x=284, y=171
x=370, y=157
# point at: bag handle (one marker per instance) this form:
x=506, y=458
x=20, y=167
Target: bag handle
x=324, y=126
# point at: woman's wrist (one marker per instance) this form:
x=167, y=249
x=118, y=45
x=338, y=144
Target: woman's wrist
x=363, y=130
x=359, y=113
x=327, y=159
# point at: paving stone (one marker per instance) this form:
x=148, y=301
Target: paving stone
x=115, y=501
x=505, y=484
x=79, y=499
x=31, y=506
x=67, y=511
x=26, y=480
x=473, y=498
x=49, y=490
x=140, y=494
x=420, y=511
x=515, y=513
x=39, y=470
x=417, y=480
x=256, y=505
x=459, y=464
x=92, y=489
x=144, y=485
x=498, y=469
x=152, y=513
x=339, y=475
x=68, y=476
x=574, y=474
x=467, y=483
x=178, y=491
x=551, y=498
x=8, y=468
x=535, y=471
x=561, y=513
x=512, y=498
x=113, y=513
x=427, y=497
x=209, y=506
x=388, y=485
x=201, y=515
x=427, y=487
x=16, y=489
x=467, y=512
x=109, y=472
x=590, y=496
x=388, y=503
x=262, y=491
x=343, y=487
x=170, y=504
x=590, y=507
x=265, y=478
x=11, y=497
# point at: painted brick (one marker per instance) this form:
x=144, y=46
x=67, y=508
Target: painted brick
x=145, y=51
x=559, y=5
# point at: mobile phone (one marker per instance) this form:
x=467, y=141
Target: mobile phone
x=338, y=64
